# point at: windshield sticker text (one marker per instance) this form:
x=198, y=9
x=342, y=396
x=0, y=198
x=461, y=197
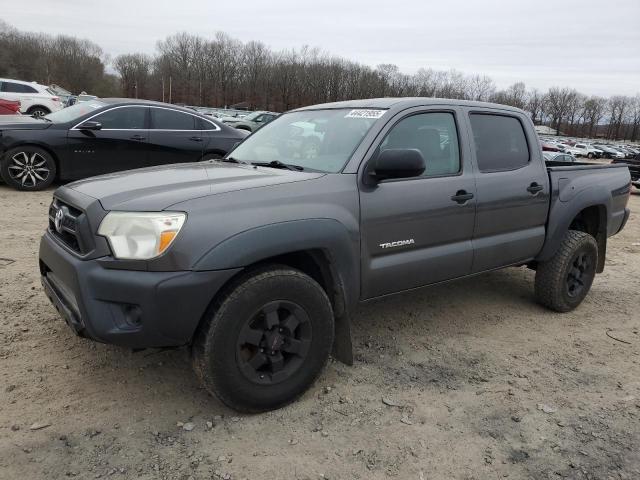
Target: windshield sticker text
x=364, y=113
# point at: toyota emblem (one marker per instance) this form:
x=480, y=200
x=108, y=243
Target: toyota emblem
x=57, y=221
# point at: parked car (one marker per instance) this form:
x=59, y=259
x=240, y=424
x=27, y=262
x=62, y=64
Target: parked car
x=107, y=135
x=209, y=112
x=256, y=261
x=252, y=121
x=35, y=99
x=85, y=97
x=608, y=151
x=8, y=107
x=587, y=150
x=634, y=168
x=559, y=157
x=66, y=97
x=572, y=150
x=549, y=147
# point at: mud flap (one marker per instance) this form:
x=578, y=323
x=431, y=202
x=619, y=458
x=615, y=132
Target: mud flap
x=342, y=346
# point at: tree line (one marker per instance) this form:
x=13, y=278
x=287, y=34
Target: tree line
x=223, y=71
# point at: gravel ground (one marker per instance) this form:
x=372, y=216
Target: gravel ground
x=468, y=380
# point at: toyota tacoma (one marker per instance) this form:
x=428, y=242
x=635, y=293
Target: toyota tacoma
x=257, y=260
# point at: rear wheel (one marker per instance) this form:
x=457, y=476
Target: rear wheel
x=564, y=281
x=38, y=112
x=28, y=168
x=590, y=155
x=264, y=342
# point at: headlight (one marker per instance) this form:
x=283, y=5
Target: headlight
x=140, y=235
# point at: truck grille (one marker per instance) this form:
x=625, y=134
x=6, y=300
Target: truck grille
x=64, y=221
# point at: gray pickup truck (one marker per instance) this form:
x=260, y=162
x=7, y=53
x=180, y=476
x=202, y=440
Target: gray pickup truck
x=256, y=261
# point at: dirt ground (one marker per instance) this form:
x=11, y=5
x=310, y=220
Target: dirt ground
x=468, y=380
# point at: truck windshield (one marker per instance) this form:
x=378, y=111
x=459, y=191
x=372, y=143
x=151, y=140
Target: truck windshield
x=317, y=140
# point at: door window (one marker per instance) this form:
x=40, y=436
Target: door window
x=435, y=135
x=11, y=87
x=164, y=119
x=126, y=118
x=500, y=142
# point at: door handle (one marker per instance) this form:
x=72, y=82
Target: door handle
x=137, y=137
x=195, y=139
x=534, y=188
x=462, y=196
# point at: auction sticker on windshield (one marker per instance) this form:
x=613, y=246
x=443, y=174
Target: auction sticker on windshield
x=362, y=113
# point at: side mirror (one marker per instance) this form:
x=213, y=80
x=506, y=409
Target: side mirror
x=395, y=163
x=90, y=125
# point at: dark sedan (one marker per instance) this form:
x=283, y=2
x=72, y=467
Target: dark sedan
x=107, y=135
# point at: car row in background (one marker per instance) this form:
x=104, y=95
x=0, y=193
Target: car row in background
x=597, y=149
x=107, y=135
x=35, y=99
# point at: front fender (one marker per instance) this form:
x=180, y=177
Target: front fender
x=257, y=244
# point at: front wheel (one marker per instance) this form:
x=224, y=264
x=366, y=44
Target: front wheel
x=564, y=281
x=264, y=342
x=590, y=155
x=28, y=168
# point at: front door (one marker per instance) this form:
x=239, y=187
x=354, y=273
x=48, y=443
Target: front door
x=512, y=191
x=121, y=143
x=418, y=231
x=174, y=137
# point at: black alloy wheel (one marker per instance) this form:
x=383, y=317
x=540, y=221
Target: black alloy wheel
x=579, y=273
x=274, y=343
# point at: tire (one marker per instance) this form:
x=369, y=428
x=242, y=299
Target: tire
x=28, y=168
x=590, y=155
x=564, y=281
x=210, y=156
x=251, y=367
x=38, y=112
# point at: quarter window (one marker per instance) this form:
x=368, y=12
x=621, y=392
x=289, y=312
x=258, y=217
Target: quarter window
x=435, y=135
x=127, y=118
x=500, y=142
x=163, y=119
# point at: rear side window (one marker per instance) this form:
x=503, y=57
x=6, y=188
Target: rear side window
x=11, y=87
x=500, y=142
x=163, y=119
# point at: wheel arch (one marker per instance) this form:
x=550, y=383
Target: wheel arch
x=320, y=248
x=591, y=218
x=37, y=105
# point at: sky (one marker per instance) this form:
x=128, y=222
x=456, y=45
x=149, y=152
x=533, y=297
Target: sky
x=590, y=45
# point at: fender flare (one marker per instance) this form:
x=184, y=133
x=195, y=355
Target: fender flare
x=340, y=248
x=563, y=213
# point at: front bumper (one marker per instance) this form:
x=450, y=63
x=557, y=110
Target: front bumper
x=136, y=309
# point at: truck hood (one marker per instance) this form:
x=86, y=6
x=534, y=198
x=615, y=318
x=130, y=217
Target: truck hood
x=157, y=188
x=22, y=122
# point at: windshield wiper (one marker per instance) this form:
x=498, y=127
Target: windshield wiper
x=279, y=164
x=232, y=160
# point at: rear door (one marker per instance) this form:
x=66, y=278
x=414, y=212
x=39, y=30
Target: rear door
x=512, y=189
x=24, y=94
x=418, y=231
x=175, y=137
x=121, y=144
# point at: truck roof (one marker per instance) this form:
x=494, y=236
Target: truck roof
x=405, y=102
